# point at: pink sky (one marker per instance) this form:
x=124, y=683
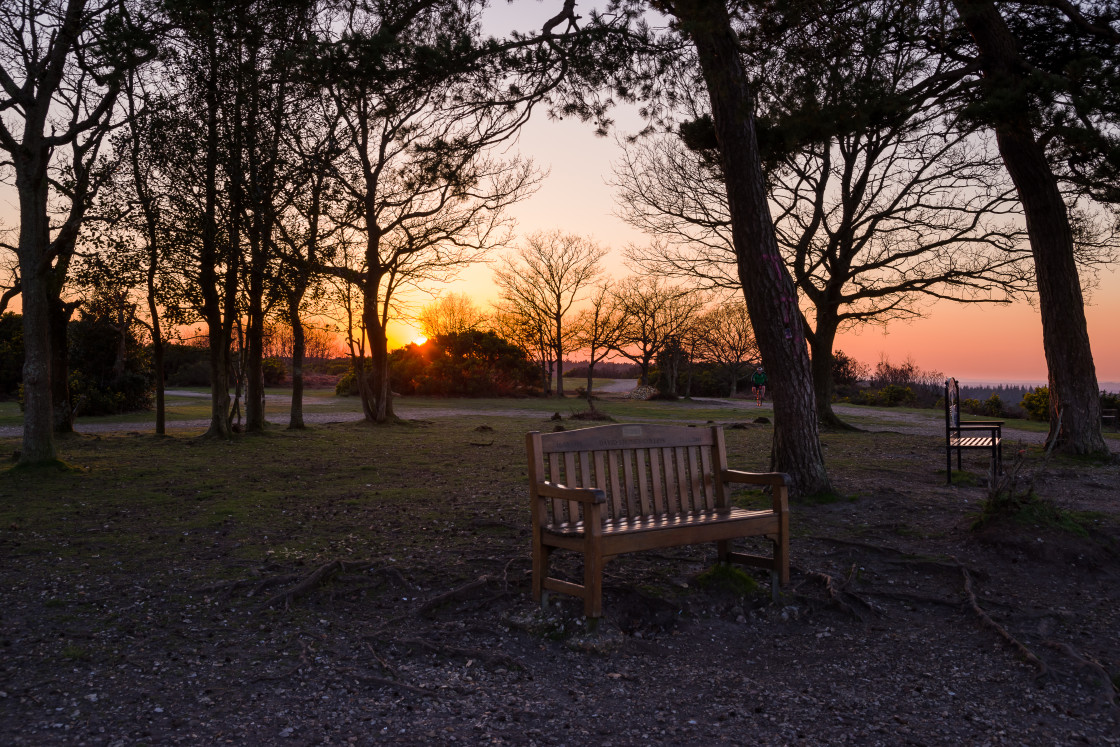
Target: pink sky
x=974, y=342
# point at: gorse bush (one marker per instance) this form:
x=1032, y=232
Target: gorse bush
x=463, y=364
x=1036, y=404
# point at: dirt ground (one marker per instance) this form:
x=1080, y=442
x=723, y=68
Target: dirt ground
x=901, y=625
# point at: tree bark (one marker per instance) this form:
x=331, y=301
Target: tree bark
x=821, y=345
x=1074, y=396
x=769, y=291
x=299, y=346
x=62, y=410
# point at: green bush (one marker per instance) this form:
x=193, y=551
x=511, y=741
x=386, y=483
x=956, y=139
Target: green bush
x=11, y=354
x=972, y=406
x=274, y=371
x=347, y=385
x=108, y=374
x=1036, y=403
x=893, y=395
x=993, y=407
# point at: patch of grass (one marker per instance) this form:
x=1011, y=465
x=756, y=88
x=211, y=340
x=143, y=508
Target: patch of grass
x=963, y=479
x=726, y=577
x=826, y=497
x=1029, y=509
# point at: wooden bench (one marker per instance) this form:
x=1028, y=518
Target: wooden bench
x=971, y=434
x=614, y=489
x=1110, y=416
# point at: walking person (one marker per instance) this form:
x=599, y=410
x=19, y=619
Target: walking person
x=758, y=381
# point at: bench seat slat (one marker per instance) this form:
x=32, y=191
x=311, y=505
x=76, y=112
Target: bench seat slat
x=649, y=532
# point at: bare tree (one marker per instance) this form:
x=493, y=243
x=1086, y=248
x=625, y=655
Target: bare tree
x=726, y=339
x=526, y=327
x=450, y=314
x=891, y=208
x=61, y=69
x=655, y=314
x=412, y=163
x=547, y=274
x=1017, y=108
x=597, y=329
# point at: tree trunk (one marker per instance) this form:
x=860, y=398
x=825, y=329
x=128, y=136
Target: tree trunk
x=1074, y=396
x=254, y=360
x=821, y=343
x=380, y=407
x=559, y=356
x=157, y=346
x=62, y=410
x=590, y=376
x=299, y=344
x=34, y=240
x=770, y=294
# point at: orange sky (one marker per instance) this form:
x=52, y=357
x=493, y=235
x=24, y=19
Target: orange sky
x=974, y=342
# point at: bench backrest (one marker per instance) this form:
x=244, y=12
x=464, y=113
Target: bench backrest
x=952, y=404
x=645, y=470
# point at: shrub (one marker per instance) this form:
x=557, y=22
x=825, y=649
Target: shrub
x=1036, y=403
x=993, y=407
x=109, y=374
x=972, y=406
x=11, y=354
x=347, y=385
x=274, y=370
x=893, y=395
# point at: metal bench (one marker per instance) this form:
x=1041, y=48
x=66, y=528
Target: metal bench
x=970, y=434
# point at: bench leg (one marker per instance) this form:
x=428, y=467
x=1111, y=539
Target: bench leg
x=775, y=589
x=592, y=584
x=540, y=572
x=723, y=551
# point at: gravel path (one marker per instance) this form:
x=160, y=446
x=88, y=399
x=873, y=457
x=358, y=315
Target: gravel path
x=925, y=424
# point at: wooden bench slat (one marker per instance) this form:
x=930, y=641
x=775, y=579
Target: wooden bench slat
x=708, y=477
x=632, y=507
x=656, y=476
x=672, y=497
x=682, y=478
x=558, y=507
x=641, y=458
x=618, y=501
x=695, y=485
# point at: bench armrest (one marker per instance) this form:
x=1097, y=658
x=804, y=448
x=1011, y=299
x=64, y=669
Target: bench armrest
x=972, y=426
x=779, y=481
x=776, y=479
x=563, y=492
x=965, y=423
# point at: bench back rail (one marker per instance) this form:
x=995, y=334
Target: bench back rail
x=644, y=471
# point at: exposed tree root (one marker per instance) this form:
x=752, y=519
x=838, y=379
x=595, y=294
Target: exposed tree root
x=902, y=596
x=316, y=578
x=838, y=595
x=1108, y=689
x=459, y=592
x=991, y=624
